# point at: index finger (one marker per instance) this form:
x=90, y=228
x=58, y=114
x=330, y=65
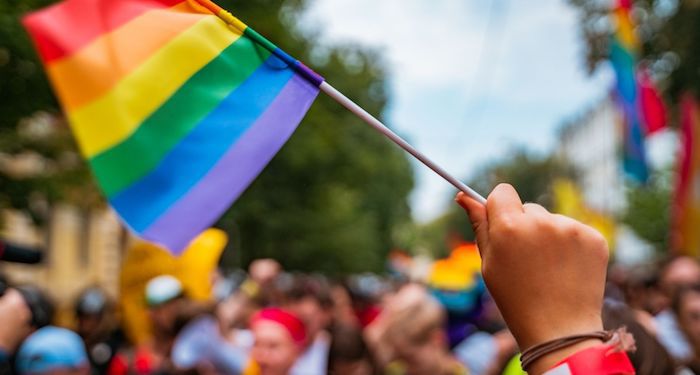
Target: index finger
x=503, y=200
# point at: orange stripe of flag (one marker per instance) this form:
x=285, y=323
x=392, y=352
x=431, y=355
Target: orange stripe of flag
x=113, y=56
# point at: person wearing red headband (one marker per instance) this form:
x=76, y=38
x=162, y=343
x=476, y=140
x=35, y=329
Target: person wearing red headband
x=279, y=340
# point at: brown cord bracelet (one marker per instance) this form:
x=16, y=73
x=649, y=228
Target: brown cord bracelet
x=619, y=337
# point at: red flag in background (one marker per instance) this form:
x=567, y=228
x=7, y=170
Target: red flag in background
x=651, y=104
x=686, y=208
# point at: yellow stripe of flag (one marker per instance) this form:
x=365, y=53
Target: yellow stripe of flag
x=112, y=118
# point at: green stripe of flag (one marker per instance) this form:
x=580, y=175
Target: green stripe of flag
x=127, y=162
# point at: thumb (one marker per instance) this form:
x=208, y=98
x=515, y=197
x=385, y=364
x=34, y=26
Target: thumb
x=477, y=215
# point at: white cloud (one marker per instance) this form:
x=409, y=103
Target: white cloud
x=464, y=91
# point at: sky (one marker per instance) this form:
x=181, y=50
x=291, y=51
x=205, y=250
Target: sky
x=469, y=79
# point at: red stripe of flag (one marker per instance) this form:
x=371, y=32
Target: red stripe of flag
x=88, y=19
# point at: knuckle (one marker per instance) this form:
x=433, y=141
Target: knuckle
x=599, y=244
x=569, y=229
x=506, y=225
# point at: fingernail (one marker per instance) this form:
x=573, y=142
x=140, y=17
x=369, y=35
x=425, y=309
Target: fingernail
x=460, y=201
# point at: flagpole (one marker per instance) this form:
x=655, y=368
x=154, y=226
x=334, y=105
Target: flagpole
x=339, y=97
x=377, y=125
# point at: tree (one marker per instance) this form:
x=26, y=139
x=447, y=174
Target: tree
x=649, y=210
x=39, y=163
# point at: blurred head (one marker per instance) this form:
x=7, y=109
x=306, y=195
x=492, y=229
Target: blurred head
x=342, y=311
x=164, y=296
x=348, y=354
x=686, y=305
x=90, y=311
x=677, y=273
x=416, y=330
x=642, y=291
x=264, y=271
x=650, y=357
x=310, y=300
x=52, y=350
x=40, y=305
x=279, y=338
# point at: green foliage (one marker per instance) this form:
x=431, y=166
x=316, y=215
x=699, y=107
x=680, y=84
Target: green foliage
x=649, y=211
x=332, y=200
x=32, y=128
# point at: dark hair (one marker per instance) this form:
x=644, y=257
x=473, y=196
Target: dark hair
x=681, y=294
x=315, y=287
x=41, y=307
x=92, y=301
x=347, y=345
x=650, y=358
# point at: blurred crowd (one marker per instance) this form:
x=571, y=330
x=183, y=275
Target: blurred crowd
x=268, y=321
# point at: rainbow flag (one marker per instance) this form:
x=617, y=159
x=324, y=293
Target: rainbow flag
x=686, y=208
x=623, y=51
x=176, y=104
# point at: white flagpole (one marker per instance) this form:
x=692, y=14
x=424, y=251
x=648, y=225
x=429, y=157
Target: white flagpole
x=377, y=125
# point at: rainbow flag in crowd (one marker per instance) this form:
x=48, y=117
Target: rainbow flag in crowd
x=641, y=105
x=686, y=209
x=176, y=105
x=456, y=280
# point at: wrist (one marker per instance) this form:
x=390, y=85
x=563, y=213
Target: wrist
x=549, y=332
x=548, y=361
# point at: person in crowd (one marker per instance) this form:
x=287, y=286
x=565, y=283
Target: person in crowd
x=165, y=298
x=413, y=336
x=676, y=274
x=218, y=341
x=686, y=306
x=343, y=312
x=52, y=351
x=15, y=326
x=201, y=347
x=348, y=353
x=23, y=310
x=96, y=325
x=545, y=272
x=310, y=300
x=280, y=337
x=650, y=358
x=263, y=277
x=366, y=292
x=642, y=291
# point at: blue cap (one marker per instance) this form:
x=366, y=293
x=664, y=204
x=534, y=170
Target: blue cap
x=50, y=348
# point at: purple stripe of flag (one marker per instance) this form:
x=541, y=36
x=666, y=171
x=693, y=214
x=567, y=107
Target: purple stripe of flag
x=234, y=172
